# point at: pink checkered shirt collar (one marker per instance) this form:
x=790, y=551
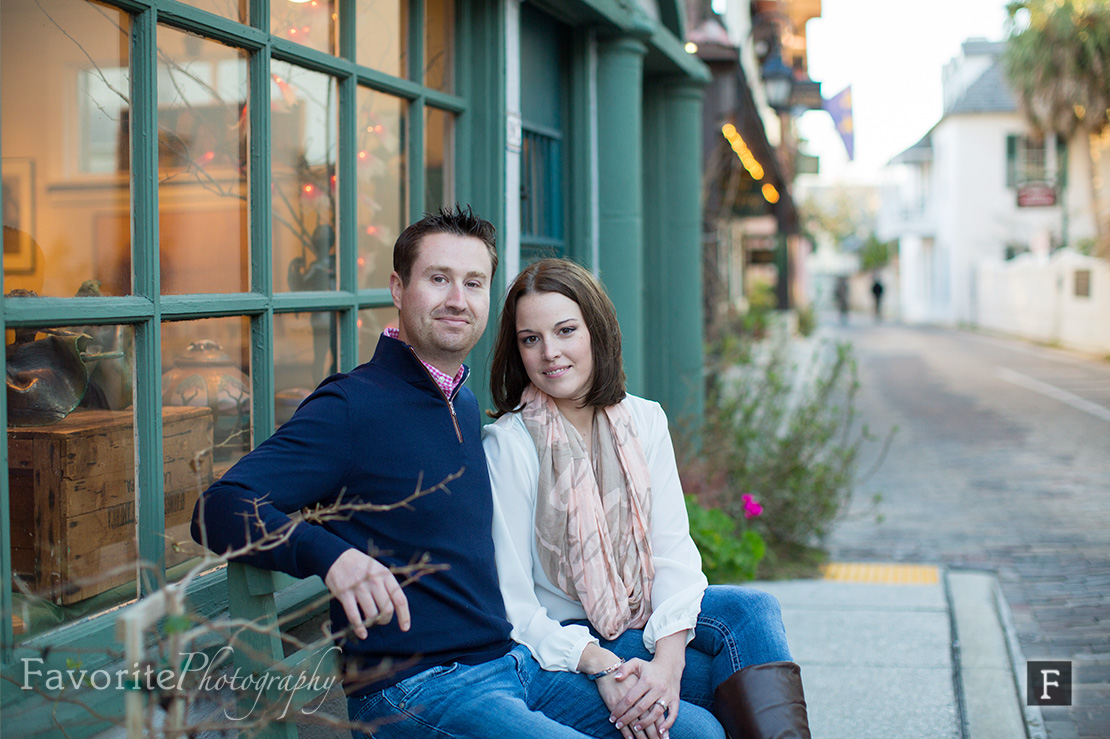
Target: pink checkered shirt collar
x=446, y=383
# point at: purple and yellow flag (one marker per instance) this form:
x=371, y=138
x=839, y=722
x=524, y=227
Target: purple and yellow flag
x=840, y=108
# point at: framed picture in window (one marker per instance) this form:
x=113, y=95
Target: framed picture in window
x=19, y=214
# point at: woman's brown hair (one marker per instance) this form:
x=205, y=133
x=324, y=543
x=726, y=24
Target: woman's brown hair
x=508, y=378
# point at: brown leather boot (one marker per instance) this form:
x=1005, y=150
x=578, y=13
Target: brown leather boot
x=763, y=702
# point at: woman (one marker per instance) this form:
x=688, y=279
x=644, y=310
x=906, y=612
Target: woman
x=598, y=570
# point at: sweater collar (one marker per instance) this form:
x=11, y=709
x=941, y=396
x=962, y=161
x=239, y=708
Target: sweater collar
x=400, y=359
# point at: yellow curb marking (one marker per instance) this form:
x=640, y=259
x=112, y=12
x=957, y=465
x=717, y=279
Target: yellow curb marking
x=881, y=573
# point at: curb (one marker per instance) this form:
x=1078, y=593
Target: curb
x=988, y=664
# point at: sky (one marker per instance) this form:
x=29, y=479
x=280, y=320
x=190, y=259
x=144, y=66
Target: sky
x=892, y=53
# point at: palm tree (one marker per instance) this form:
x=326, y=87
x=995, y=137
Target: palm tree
x=1058, y=61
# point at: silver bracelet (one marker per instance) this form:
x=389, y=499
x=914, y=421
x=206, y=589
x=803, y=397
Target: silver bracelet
x=607, y=671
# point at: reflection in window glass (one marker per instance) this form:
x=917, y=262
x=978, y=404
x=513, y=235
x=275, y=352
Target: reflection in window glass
x=439, y=159
x=64, y=121
x=71, y=475
x=305, y=352
x=381, y=27
x=371, y=323
x=313, y=24
x=202, y=163
x=206, y=364
x=304, y=130
x=235, y=10
x=439, y=34
x=382, y=179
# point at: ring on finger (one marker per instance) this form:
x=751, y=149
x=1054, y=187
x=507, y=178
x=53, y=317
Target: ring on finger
x=662, y=704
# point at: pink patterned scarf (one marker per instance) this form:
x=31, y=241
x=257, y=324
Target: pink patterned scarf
x=593, y=518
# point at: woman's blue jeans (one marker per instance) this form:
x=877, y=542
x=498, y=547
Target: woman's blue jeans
x=737, y=627
x=510, y=696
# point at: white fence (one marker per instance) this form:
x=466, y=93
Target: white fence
x=1063, y=299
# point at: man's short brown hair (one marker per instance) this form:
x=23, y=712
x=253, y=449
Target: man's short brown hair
x=508, y=378
x=457, y=221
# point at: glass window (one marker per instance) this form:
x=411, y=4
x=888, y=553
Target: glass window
x=381, y=30
x=66, y=144
x=77, y=205
x=1025, y=160
x=439, y=34
x=303, y=152
x=545, y=63
x=206, y=364
x=235, y=10
x=382, y=183
x=439, y=158
x=1033, y=159
x=306, y=350
x=371, y=323
x=202, y=165
x=71, y=471
x=313, y=23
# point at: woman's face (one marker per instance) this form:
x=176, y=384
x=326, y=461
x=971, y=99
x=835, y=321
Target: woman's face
x=554, y=344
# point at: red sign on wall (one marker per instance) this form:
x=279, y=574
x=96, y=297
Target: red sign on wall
x=1038, y=195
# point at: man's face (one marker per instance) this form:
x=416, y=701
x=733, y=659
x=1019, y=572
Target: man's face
x=445, y=305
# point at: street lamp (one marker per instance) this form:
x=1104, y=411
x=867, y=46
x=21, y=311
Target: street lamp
x=778, y=81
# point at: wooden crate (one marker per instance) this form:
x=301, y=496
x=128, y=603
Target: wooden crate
x=73, y=500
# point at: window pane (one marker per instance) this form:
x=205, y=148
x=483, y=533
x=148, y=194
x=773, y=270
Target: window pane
x=381, y=27
x=305, y=108
x=305, y=352
x=1034, y=151
x=312, y=23
x=66, y=146
x=203, y=167
x=236, y=10
x=71, y=472
x=541, y=195
x=439, y=159
x=382, y=183
x=206, y=364
x=439, y=35
x=371, y=323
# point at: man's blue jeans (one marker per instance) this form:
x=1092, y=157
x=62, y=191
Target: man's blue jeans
x=511, y=696
x=737, y=627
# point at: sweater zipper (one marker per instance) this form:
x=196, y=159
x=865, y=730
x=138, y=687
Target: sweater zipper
x=450, y=405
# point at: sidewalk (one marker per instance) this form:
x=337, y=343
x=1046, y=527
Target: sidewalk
x=906, y=651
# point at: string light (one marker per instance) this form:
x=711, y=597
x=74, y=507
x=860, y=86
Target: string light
x=736, y=141
x=770, y=194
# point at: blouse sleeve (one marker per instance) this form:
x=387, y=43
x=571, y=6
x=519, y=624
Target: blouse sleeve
x=679, y=582
x=514, y=474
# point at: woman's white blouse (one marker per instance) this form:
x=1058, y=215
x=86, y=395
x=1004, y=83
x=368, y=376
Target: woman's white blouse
x=534, y=605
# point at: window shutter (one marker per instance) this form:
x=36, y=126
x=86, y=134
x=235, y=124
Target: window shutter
x=1011, y=160
x=1061, y=163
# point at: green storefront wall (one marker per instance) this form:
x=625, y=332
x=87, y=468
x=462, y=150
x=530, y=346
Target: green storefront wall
x=647, y=211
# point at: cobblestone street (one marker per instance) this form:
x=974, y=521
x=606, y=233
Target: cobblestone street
x=1000, y=463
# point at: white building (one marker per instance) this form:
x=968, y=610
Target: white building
x=979, y=189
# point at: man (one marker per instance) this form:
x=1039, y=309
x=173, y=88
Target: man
x=437, y=656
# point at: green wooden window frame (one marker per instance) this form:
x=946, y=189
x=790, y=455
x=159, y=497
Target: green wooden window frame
x=146, y=308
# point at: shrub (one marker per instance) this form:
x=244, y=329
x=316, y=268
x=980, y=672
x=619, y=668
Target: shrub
x=727, y=555
x=785, y=434
x=807, y=320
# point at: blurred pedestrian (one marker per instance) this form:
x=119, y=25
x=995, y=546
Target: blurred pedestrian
x=877, y=291
x=840, y=293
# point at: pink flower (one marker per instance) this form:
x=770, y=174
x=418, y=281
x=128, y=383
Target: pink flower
x=752, y=507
